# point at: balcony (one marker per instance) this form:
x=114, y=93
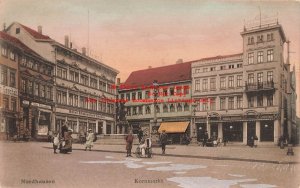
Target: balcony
x=259, y=87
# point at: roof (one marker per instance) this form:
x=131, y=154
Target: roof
x=217, y=57
x=165, y=74
x=35, y=34
x=16, y=42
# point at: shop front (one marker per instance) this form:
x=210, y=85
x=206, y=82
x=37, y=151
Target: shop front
x=176, y=131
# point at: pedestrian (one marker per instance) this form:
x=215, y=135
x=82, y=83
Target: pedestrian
x=50, y=136
x=163, y=141
x=129, y=141
x=205, y=138
x=255, y=141
x=64, y=129
x=55, y=142
x=251, y=142
x=140, y=134
x=89, y=140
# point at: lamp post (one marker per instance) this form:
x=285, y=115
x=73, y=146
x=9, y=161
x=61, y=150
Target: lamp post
x=155, y=92
x=193, y=128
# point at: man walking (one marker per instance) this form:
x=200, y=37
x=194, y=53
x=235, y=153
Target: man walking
x=163, y=141
x=129, y=141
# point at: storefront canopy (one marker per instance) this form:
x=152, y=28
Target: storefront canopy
x=173, y=127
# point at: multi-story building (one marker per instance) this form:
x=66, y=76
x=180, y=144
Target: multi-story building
x=81, y=83
x=31, y=102
x=11, y=48
x=167, y=104
x=246, y=94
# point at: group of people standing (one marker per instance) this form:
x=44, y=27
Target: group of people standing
x=64, y=142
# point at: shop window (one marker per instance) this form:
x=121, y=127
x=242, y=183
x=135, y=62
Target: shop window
x=267, y=131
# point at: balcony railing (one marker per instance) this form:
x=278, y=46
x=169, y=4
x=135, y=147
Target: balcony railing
x=259, y=86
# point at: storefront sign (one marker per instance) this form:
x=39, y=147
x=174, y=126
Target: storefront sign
x=82, y=113
x=8, y=90
x=41, y=105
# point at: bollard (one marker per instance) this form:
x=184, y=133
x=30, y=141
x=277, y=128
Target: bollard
x=290, y=150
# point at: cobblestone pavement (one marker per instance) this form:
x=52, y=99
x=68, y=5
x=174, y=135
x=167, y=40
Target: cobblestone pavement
x=33, y=164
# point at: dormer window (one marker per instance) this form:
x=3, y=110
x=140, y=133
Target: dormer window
x=260, y=38
x=17, y=30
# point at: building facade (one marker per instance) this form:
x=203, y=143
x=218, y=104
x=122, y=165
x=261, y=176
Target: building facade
x=246, y=94
x=11, y=51
x=149, y=106
x=82, y=84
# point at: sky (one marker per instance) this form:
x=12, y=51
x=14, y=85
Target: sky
x=130, y=35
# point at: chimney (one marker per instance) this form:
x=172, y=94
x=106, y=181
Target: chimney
x=67, y=41
x=149, y=67
x=84, y=51
x=179, y=61
x=40, y=29
x=118, y=81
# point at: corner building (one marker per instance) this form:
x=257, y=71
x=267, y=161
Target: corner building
x=246, y=94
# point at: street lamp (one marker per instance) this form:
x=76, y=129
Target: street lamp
x=193, y=127
x=155, y=92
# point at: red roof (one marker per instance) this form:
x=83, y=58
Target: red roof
x=165, y=74
x=35, y=34
x=16, y=42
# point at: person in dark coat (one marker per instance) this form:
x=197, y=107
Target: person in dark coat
x=140, y=134
x=64, y=129
x=163, y=141
x=205, y=138
x=129, y=140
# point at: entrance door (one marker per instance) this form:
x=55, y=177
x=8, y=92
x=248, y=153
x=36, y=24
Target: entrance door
x=214, y=131
x=251, y=131
x=201, y=128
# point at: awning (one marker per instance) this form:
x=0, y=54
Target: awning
x=173, y=127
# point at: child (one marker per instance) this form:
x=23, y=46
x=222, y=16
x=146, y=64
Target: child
x=55, y=141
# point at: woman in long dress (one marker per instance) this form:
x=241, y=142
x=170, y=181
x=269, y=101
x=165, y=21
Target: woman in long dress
x=89, y=140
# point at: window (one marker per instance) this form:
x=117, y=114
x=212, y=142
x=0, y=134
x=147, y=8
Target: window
x=205, y=69
x=147, y=95
x=270, y=37
x=165, y=108
x=240, y=65
x=186, y=107
x=104, y=107
x=24, y=61
x=231, y=81
x=36, y=89
x=179, y=107
x=239, y=79
x=172, y=108
x=74, y=76
x=43, y=91
x=64, y=96
x=171, y=91
x=204, y=104
x=178, y=90
x=204, y=85
x=197, y=70
x=165, y=92
x=148, y=109
x=102, y=85
x=139, y=95
x=250, y=40
x=269, y=100
x=110, y=88
x=222, y=103
x=94, y=83
x=250, y=58
x=30, y=87
x=223, y=67
x=23, y=85
x=128, y=96
x=12, y=81
x=186, y=90
x=212, y=83
x=13, y=104
x=239, y=102
x=58, y=97
x=4, y=51
x=133, y=96
x=270, y=76
x=5, y=102
x=231, y=103
x=260, y=57
x=61, y=72
x=140, y=110
x=259, y=78
x=17, y=30
x=157, y=108
x=223, y=82
x=48, y=92
x=75, y=100
x=251, y=78
x=260, y=38
x=12, y=56
x=212, y=102
x=250, y=102
x=231, y=66
x=260, y=101
x=197, y=85
x=212, y=68
x=3, y=75
x=270, y=55
x=84, y=79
